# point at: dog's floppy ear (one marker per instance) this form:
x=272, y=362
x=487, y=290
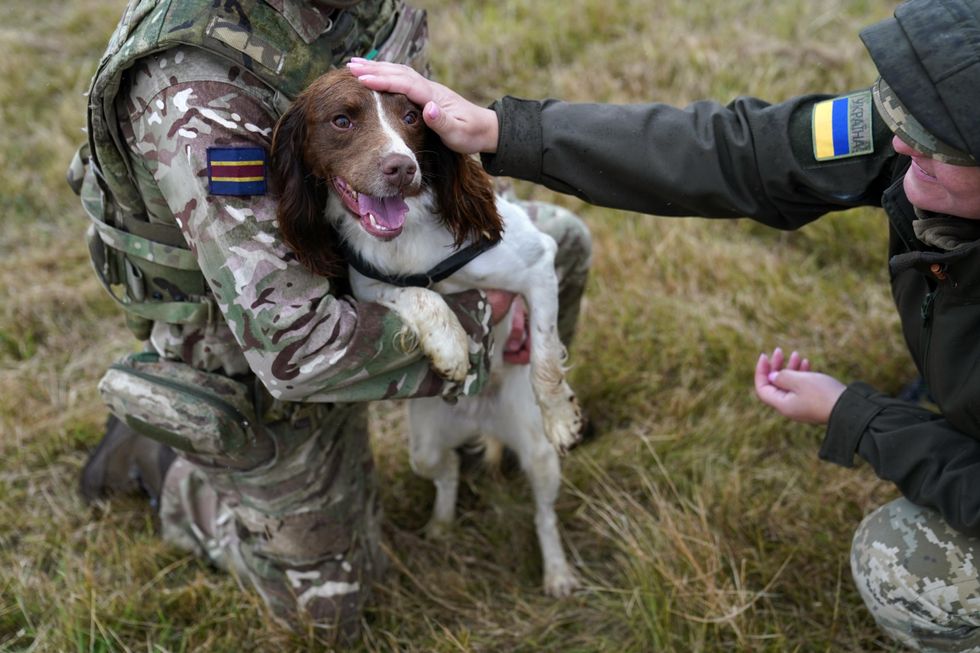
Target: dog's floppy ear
x=302, y=197
x=464, y=192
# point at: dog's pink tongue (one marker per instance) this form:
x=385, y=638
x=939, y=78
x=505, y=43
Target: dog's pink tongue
x=388, y=211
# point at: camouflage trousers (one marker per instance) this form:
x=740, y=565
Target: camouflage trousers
x=919, y=578
x=302, y=524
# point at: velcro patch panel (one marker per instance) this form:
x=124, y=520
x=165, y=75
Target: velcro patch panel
x=236, y=171
x=842, y=127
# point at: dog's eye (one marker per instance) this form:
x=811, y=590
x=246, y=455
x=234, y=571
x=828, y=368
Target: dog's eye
x=342, y=122
x=411, y=117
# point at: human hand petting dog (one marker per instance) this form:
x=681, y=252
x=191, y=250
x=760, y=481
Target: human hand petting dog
x=794, y=391
x=463, y=126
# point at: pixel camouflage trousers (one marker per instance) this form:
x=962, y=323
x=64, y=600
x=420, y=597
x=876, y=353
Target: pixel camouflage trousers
x=302, y=524
x=919, y=578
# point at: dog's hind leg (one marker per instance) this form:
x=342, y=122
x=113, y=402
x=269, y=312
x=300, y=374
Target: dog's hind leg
x=433, y=457
x=543, y=471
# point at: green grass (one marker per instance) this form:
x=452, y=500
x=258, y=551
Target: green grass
x=699, y=520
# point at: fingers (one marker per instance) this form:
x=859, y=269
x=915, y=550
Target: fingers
x=776, y=376
x=434, y=117
x=517, y=349
x=768, y=393
x=778, y=388
x=798, y=363
x=778, y=358
x=382, y=71
x=795, y=361
x=788, y=380
x=499, y=301
x=392, y=78
x=762, y=370
x=789, y=386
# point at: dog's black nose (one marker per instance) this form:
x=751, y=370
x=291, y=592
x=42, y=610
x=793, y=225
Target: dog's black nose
x=398, y=169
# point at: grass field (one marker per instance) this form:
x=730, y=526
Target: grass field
x=699, y=521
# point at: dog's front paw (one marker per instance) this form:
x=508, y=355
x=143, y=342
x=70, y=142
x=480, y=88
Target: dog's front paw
x=448, y=351
x=563, y=421
x=431, y=324
x=560, y=582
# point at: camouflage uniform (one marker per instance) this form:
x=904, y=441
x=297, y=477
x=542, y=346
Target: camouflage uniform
x=292, y=506
x=919, y=577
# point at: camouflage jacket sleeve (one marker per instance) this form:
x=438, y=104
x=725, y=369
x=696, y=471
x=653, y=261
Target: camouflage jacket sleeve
x=303, y=342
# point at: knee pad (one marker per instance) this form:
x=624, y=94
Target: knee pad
x=917, y=577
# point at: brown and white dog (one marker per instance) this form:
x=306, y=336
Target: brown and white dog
x=358, y=172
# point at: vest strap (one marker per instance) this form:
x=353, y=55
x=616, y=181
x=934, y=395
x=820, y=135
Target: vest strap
x=140, y=247
x=166, y=234
x=199, y=313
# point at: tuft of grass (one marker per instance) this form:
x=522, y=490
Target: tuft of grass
x=699, y=521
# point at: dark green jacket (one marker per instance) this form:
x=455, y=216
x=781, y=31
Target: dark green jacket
x=752, y=159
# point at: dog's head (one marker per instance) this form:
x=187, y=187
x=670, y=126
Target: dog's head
x=372, y=150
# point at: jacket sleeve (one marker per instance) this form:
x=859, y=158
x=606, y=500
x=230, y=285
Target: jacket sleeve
x=931, y=462
x=303, y=341
x=747, y=159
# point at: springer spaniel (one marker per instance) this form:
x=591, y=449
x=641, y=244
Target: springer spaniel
x=363, y=182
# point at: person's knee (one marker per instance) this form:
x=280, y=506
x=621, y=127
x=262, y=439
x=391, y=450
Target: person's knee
x=574, y=241
x=572, y=259
x=916, y=576
x=569, y=231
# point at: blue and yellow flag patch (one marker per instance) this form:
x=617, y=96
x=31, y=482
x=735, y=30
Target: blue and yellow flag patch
x=842, y=127
x=236, y=171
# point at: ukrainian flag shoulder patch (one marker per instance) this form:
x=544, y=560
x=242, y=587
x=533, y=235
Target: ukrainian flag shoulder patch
x=236, y=171
x=842, y=127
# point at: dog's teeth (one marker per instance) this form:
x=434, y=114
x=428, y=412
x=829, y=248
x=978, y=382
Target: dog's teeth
x=374, y=223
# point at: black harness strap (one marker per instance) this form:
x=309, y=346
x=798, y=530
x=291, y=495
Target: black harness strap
x=440, y=271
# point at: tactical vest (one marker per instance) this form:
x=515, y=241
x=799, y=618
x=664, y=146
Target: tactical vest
x=159, y=274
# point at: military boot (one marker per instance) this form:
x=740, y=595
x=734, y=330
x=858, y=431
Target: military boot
x=125, y=462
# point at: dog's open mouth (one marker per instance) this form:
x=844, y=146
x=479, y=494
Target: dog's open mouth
x=382, y=217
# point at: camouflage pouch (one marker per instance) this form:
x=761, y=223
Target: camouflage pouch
x=208, y=415
x=407, y=42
